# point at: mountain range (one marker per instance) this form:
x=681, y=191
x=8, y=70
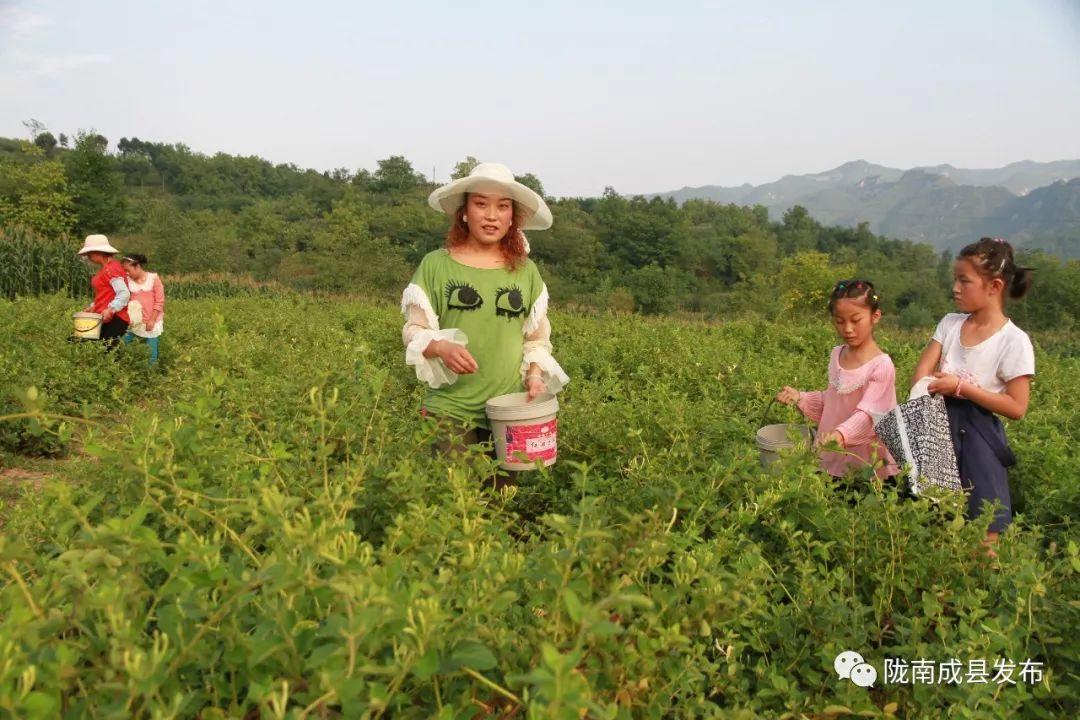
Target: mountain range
x=1032, y=204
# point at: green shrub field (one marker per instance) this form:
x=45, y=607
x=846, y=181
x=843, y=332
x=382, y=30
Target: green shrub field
x=257, y=528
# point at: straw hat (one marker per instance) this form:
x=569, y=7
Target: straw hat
x=97, y=243
x=494, y=178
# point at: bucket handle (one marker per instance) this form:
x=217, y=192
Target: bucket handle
x=99, y=321
x=766, y=413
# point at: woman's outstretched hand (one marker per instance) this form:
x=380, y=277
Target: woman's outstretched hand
x=788, y=395
x=456, y=357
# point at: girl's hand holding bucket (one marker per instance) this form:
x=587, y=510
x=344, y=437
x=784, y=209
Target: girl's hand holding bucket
x=833, y=436
x=534, y=385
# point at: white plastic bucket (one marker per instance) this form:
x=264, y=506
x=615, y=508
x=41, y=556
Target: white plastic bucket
x=87, y=325
x=771, y=439
x=524, y=431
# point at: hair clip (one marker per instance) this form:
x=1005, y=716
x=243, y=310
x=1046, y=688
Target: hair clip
x=999, y=241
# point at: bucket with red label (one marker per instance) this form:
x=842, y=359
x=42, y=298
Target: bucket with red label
x=525, y=431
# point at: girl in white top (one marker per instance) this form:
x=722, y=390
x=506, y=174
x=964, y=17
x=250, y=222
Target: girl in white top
x=983, y=364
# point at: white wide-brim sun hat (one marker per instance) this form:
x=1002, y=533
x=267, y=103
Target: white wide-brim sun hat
x=97, y=243
x=496, y=179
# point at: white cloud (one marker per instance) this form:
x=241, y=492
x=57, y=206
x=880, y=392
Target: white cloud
x=21, y=23
x=46, y=65
x=20, y=26
x=38, y=64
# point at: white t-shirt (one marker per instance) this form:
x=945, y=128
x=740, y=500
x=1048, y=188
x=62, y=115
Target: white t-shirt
x=1005, y=355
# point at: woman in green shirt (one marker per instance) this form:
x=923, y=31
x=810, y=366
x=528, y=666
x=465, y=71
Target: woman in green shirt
x=476, y=322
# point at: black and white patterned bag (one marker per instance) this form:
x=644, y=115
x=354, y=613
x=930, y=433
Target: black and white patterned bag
x=917, y=433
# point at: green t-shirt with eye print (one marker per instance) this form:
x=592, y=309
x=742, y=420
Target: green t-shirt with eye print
x=490, y=306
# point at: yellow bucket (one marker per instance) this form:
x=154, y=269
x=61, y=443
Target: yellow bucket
x=87, y=325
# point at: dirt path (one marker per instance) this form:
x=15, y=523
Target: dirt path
x=18, y=476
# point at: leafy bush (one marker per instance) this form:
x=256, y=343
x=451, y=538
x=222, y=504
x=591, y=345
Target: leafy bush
x=259, y=529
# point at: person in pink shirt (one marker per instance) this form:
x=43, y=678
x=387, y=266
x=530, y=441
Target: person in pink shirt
x=862, y=386
x=147, y=306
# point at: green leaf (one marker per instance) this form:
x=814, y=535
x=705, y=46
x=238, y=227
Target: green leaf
x=41, y=705
x=427, y=665
x=474, y=655
x=573, y=605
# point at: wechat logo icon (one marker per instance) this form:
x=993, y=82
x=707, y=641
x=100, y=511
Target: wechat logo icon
x=849, y=665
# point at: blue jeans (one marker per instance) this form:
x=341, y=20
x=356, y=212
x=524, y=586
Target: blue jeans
x=152, y=342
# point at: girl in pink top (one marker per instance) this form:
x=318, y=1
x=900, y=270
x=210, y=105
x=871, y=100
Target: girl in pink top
x=147, y=303
x=862, y=386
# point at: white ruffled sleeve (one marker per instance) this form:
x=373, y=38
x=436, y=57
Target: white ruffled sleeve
x=537, y=348
x=432, y=370
x=421, y=327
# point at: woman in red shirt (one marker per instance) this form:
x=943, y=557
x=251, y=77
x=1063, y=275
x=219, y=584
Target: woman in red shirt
x=110, y=287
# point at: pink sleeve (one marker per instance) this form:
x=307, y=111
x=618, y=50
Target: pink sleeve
x=812, y=404
x=159, y=303
x=857, y=429
x=878, y=398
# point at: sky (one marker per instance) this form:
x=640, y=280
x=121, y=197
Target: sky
x=641, y=97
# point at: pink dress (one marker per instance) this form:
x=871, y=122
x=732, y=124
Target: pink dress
x=850, y=405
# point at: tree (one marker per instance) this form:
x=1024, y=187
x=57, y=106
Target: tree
x=363, y=180
x=396, y=175
x=35, y=194
x=799, y=231
x=640, y=232
x=46, y=142
x=464, y=167
x=806, y=280
x=655, y=289
x=340, y=175
x=532, y=182
x=96, y=184
x=35, y=127
x=132, y=146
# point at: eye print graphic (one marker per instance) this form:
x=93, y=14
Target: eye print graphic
x=508, y=302
x=462, y=296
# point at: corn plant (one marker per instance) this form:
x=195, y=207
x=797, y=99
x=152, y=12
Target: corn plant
x=31, y=265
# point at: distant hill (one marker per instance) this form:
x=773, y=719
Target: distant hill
x=1047, y=217
x=1036, y=204
x=787, y=189
x=1019, y=178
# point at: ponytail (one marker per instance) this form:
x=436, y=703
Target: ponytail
x=993, y=258
x=1021, y=282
